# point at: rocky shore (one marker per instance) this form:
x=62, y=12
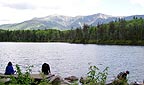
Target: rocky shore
x=57, y=80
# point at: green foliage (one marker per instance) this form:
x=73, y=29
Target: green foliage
x=21, y=78
x=44, y=81
x=96, y=77
x=1, y=82
x=75, y=83
x=120, y=82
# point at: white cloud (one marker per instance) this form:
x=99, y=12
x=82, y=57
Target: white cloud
x=19, y=6
x=47, y=4
x=20, y=10
x=139, y=2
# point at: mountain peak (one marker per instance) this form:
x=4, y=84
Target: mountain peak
x=55, y=15
x=100, y=15
x=63, y=22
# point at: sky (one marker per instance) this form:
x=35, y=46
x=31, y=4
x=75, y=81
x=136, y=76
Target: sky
x=15, y=11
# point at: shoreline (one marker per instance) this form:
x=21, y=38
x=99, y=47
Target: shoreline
x=63, y=81
x=123, y=43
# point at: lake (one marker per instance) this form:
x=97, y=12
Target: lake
x=74, y=59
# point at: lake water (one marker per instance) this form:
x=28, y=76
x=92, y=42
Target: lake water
x=74, y=59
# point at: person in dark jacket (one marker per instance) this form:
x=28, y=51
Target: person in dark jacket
x=9, y=69
x=46, y=69
x=123, y=75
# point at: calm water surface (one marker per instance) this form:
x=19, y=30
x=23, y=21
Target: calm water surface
x=74, y=59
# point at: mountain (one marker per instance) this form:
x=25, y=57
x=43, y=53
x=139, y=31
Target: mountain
x=64, y=22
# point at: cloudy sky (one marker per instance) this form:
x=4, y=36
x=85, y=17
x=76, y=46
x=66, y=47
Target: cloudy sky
x=14, y=11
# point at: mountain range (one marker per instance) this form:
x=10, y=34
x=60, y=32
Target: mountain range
x=64, y=22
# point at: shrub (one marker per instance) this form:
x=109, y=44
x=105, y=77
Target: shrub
x=21, y=78
x=96, y=77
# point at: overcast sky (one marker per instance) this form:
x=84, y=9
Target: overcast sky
x=14, y=11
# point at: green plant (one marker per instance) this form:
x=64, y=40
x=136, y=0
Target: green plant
x=1, y=81
x=120, y=82
x=44, y=81
x=21, y=78
x=96, y=77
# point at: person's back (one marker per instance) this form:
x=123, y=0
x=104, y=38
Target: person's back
x=9, y=69
x=123, y=75
x=46, y=68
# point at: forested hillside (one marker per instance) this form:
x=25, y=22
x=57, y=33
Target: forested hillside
x=116, y=32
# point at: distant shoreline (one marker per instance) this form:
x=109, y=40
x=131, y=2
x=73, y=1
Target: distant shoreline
x=112, y=42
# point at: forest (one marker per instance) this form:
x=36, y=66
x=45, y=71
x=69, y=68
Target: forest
x=119, y=32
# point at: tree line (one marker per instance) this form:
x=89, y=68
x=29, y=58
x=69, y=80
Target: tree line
x=115, y=32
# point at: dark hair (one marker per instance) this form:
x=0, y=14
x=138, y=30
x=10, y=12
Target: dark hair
x=127, y=72
x=46, y=68
x=9, y=64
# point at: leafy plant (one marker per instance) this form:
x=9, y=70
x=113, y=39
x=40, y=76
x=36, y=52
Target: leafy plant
x=21, y=78
x=44, y=81
x=75, y=83
x=96, y=77
x=1, y=82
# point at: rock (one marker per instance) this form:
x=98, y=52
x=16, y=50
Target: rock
x=84, y=80
x=136, y=83
x=71, y=78
x=5, y=80
x=55, y=80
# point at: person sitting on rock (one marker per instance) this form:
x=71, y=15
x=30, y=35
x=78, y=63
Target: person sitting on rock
x=123, y=75
x=46, y=69
x=9, y=69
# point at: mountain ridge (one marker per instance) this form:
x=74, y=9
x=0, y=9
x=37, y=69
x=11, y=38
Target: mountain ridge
x=64, y=22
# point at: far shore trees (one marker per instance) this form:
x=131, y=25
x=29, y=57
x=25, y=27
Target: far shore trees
x=116, y=32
